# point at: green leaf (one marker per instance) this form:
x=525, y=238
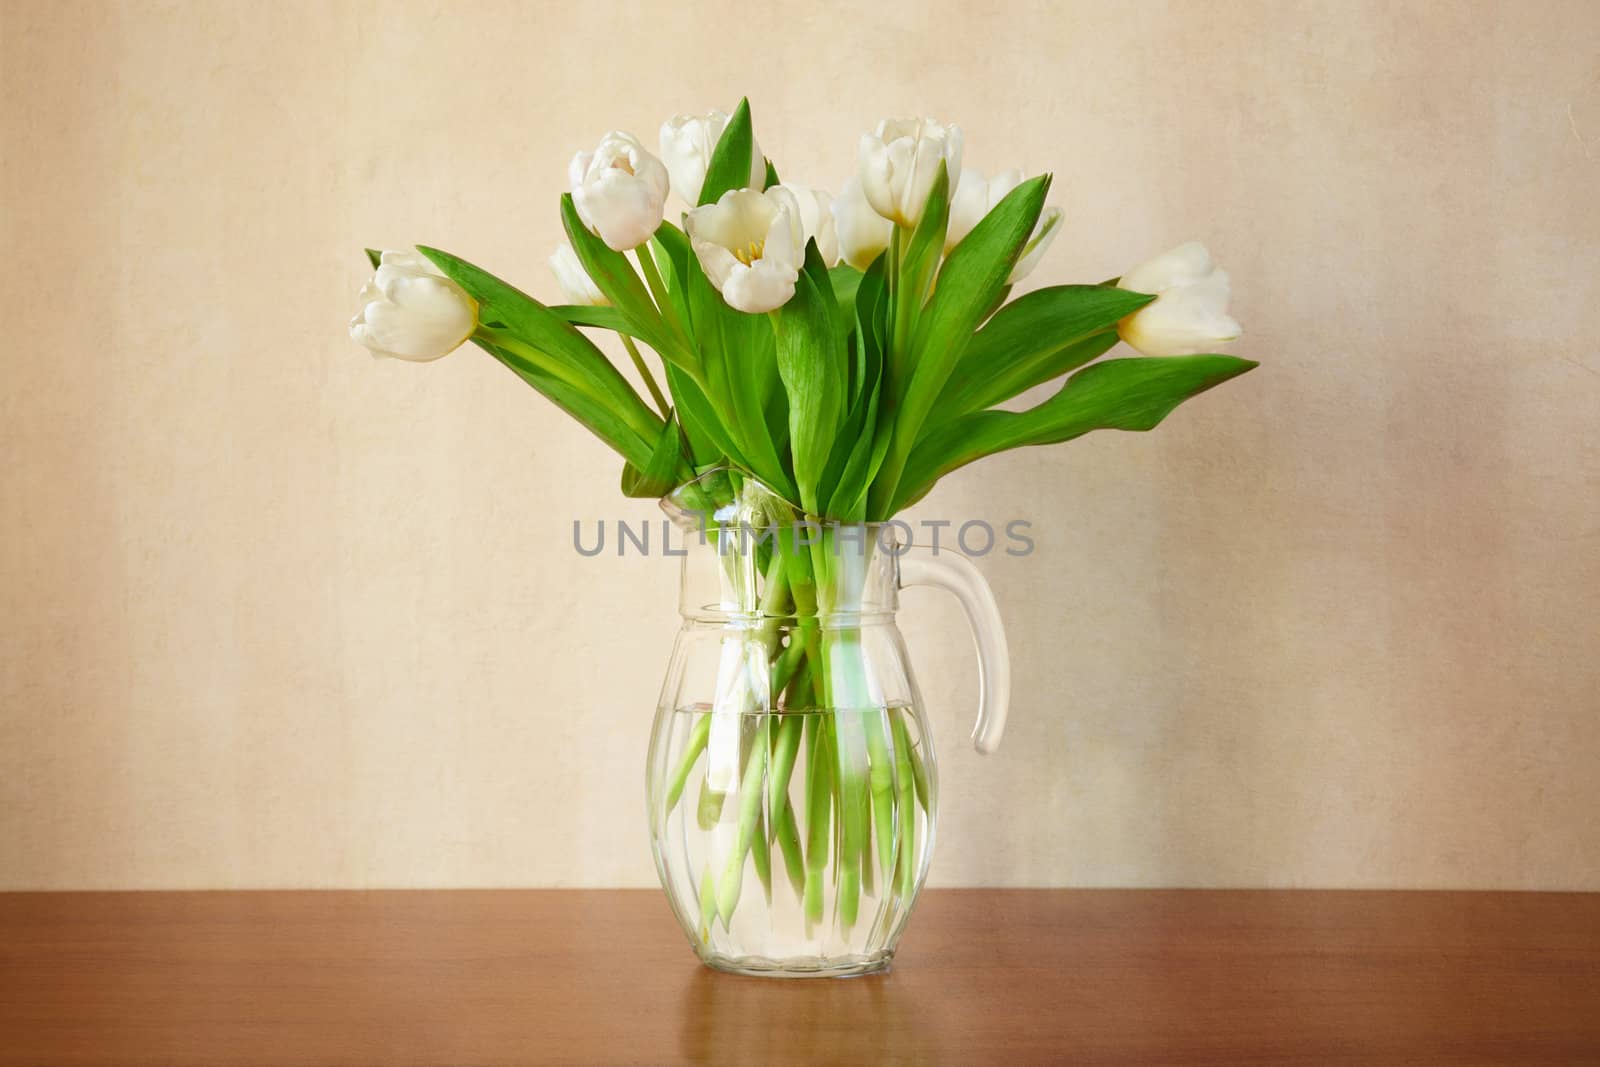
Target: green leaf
x=729, y=166
x=974, y=273
x=772, y=176
x=872, y=305
x=709, y=442
x=670, y=248
x=553, y=357
x=995, y=304
x=741, y=377
x=915, y=267
x=812, y=364
x=666, y=469
x=927, y=240
x=694, y=412
x=598, y=318
x=868, y=445
x=863, y=442
x=859, y=447
x=598, y=417
x=1008, y=383
x=614, y=276
x=846, y=281
x=1033, y=339
x=1119, y=394
x=374, y=257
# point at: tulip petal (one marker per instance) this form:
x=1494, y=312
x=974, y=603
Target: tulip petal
x=411, y=311
x=619, y=191
x=1184, y=265
x=863, y=233
x=718, y=263
x=1038, y=244
x=1190, y=313
x=750, y=244
x=574, y=280
x=761, y=287
x=897, y=165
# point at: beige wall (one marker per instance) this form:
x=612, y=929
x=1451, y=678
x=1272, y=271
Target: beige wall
x=273, y=614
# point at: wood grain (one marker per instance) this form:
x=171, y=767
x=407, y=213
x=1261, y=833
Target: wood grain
x=1016, y=977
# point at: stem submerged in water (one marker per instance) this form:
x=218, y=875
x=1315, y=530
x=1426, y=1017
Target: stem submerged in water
x=788, y=835
x=821, y=717
x=819, y=813
x=751, y=792
x=906, y=853
x=691, y=755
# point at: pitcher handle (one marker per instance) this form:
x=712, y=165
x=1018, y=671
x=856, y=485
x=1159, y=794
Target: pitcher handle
x=953, y=573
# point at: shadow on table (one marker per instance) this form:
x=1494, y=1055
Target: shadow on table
x=730, y=1019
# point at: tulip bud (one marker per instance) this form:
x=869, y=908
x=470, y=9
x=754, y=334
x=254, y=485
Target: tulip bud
x=411, y=311
x=816, y=220
x=687, y=142
x=751, y=246
x=1190, y=312
x=863, y=233
x=1038, y=243
x=619, y=191
x=976, y=196
x=899, y=161
x=574, y=280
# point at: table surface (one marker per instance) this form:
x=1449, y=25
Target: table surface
x=983, y=976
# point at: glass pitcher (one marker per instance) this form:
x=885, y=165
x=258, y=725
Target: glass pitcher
x=792, y=784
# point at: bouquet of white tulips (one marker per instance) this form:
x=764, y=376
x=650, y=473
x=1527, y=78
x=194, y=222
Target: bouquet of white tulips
x=843, y=352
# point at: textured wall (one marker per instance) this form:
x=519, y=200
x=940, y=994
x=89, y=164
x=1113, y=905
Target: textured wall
x=274, y=614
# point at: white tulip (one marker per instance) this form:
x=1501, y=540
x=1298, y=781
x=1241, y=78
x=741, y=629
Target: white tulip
x=411, y=311
x=687, y=142
x=899, y=161
x=574, y=280
x=620, y=191
x=816, y=220
x=1038, y=243
x=1190, y=312
x=751, y=246
x=976, y=196
x=863, y=233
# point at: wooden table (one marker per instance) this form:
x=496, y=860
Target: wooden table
x=1014, y=977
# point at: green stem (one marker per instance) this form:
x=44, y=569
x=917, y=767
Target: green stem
x=691, y=752
x=848, y=700
x=783, y=755
x=789, y=665
x=906, y=858
x=751, y=792
x=773, y=599
x=708, y=811
x=869, y=878
x=905, y=299
x=753, y=786
x=791, y=729
x=919, y=770
x=904, y=306
x=788, y=835
x=649, y=379
x=658, y=291
x=881, y=778
x=819, y=802
x=847, y=747
x=708, y=904
x=761, y=853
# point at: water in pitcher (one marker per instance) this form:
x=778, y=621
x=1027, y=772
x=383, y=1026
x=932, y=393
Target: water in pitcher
x=794, y=833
